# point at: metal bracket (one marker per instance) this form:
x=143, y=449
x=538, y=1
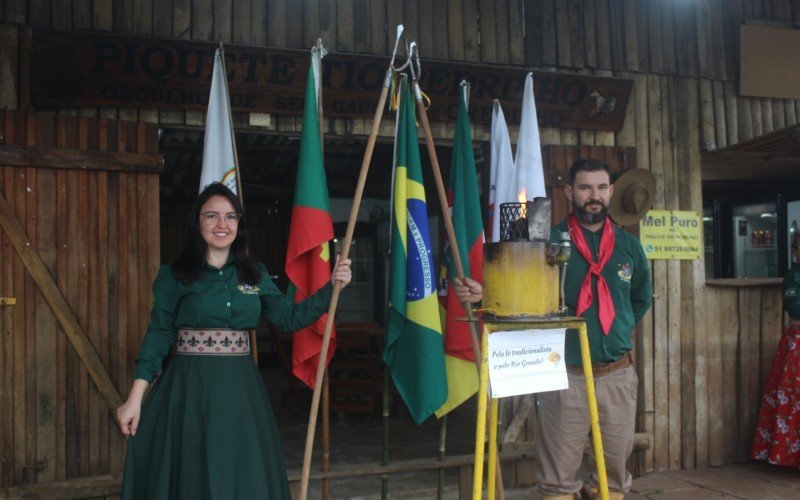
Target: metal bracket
x=8, y=301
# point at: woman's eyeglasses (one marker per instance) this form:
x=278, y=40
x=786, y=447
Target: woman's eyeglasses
x=231, y=218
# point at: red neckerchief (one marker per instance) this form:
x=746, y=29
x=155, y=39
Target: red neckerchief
x=605, y=306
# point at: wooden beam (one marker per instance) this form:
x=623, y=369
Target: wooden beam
x=741, y=282
x=110, y=484
x=9, y=65
x=80, y=487
x=76, y=159
x=729, y=166
x=641, y=442
x=77, y=337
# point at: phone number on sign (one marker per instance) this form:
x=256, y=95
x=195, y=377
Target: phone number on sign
x=674, y=249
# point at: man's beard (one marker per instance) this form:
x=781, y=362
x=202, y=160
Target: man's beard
x=588, y=217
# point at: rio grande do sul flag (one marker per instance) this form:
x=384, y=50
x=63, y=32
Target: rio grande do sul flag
x=465, y=209
x=414, y=349
x=308, y=253
x=219, y=163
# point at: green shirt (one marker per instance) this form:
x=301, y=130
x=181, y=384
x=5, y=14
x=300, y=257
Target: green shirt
x=627, y=274
x=791, y=291
x=217, y=300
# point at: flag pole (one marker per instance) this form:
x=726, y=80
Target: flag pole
x=448, y=222
x=239, y=191
x=387, y=375
x=337, y=287
x=442, y=455
x=326, y=404
x=385, y=419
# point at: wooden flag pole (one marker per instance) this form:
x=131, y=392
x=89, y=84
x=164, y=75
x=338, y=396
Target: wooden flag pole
x=448, y=221
x=451, y=234
x=337, y=287
x=239, y=191
x=326, y=417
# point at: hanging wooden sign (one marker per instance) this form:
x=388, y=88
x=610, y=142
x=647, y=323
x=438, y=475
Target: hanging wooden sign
x=71, y=69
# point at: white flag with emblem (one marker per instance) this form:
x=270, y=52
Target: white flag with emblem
x=219, y=163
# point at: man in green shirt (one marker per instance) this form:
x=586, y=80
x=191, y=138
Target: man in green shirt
x=608, y=284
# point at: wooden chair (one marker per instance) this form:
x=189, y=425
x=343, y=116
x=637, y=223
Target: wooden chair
x=354, y=374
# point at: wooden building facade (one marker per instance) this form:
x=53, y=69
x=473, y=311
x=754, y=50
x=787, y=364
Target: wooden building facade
x=702, y=352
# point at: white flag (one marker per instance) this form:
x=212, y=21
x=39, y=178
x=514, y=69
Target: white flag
x=528, y=171
x=219, y=163
x=502, y=168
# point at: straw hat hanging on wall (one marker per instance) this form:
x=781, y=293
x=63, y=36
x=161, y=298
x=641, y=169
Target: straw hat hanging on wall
x=634, y=193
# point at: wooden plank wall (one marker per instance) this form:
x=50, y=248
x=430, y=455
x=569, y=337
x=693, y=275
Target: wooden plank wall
x=97, y=232
x=738, y=363
x=698, y=391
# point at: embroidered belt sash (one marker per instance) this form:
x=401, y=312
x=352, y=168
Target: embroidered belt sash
x=214, y=341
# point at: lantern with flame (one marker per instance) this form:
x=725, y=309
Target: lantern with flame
x=521, y=271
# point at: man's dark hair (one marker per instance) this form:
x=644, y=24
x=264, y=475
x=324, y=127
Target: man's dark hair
x=189, y=265
x=587, y=165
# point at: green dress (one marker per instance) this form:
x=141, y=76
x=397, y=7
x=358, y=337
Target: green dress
x=206, y=429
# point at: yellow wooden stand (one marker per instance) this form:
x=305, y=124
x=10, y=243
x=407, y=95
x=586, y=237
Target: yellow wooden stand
x=490, y=327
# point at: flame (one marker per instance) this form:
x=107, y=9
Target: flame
x=522, y=197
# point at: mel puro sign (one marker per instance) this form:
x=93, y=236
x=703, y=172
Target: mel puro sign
x=671, y=234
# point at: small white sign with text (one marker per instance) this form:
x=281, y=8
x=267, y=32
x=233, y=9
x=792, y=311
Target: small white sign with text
x=527, y=361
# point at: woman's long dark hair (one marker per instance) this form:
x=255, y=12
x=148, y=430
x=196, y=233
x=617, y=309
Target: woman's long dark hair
x=188, y=267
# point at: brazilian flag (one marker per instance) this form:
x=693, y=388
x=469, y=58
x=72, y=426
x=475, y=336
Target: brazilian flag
x=414, y=347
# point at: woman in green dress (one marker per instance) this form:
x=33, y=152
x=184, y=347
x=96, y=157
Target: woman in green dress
x=206, y=429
